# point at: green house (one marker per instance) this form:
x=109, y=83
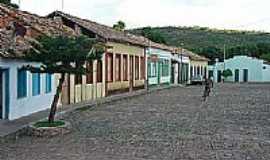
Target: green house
x=158, y=66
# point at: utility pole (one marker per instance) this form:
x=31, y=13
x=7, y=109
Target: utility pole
x=146, y=56
x=181, y=65
x=224, y=56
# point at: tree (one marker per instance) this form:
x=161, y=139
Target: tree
x=157, y=37
x=119, y=26
x=62, y=55
x=227, y=73
x=8, y=2
x=265, y=57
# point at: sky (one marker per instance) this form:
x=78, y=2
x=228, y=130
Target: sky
x=221, y=14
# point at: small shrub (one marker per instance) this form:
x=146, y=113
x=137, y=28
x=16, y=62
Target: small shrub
x=227, y=73
x=47, y=124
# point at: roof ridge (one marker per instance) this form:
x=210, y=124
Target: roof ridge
x=102, y=30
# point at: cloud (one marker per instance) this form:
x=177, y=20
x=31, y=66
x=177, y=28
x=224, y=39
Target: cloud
x=232, y=14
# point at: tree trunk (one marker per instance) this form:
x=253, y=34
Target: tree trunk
x=56, y=98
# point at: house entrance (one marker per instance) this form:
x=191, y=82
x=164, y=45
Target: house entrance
x=1, y=95
x=172, y=73
x=236, y=75
x=219, y=76
x=185, y=73
x=131, y=70
x=245, y=75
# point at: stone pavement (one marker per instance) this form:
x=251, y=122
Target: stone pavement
x=12, y=129
x=234, y=124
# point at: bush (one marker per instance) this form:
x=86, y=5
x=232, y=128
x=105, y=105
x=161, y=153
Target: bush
x=227, y=73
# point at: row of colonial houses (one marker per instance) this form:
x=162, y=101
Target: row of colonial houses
x=129, y=63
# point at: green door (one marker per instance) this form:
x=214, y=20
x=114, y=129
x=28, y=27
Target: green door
x=219, y=78
x=172, y=74
x=245, y=76
x=236, y=75
x=158, y=71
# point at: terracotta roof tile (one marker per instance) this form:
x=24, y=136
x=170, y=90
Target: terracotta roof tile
x=34, y=26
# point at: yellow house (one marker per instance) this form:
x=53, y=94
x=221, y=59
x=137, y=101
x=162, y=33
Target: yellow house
x=122, y=67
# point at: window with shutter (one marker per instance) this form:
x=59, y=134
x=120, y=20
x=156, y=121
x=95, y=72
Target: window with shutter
x=35, y=84
x=21, y=83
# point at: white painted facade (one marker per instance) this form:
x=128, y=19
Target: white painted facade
x=185, y=60
x=19, y=107
x=257, y=70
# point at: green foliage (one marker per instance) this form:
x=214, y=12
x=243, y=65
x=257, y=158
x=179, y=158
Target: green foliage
x=119, y=26
x=63, y=54
x=8, y=2
x=149, y=33
x=47, y=124
x=266, y=57
x=227, y=73
x=154, y=36
x=210, y=42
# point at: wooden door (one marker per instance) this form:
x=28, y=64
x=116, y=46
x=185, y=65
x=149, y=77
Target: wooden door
x=131, y=73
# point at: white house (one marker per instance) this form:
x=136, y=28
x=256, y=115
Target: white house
x=23, y=93
x=244, y=69
x=181, y=67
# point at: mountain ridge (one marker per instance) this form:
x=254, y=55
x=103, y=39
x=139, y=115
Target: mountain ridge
x=210, y=42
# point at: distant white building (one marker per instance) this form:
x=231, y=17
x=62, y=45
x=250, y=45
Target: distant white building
x=244, y=69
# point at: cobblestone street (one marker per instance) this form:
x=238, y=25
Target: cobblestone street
x=174, y=124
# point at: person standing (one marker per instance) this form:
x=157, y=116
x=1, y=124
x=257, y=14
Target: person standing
x=207, y=89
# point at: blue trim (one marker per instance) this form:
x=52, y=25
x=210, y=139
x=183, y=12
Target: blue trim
x=7, y=94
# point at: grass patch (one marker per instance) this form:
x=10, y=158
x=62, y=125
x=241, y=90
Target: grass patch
x=47, y=124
